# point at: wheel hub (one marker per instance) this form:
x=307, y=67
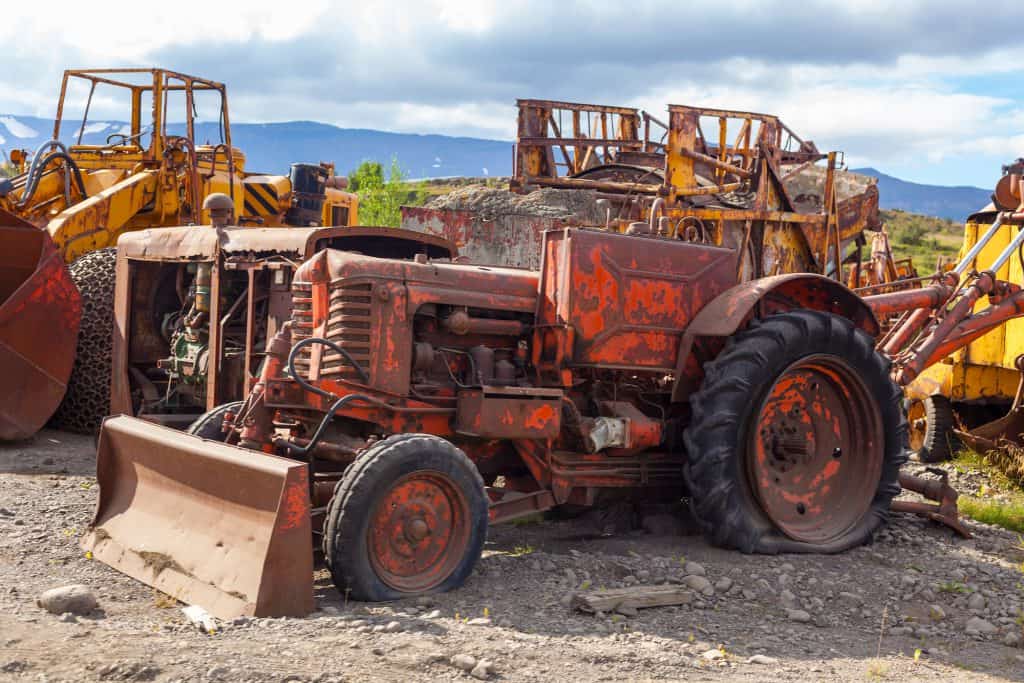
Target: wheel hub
x=418, y=532
x=816, y=451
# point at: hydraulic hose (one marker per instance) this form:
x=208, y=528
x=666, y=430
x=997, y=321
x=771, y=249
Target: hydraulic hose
x=37, y=168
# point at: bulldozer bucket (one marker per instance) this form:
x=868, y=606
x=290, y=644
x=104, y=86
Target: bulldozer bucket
x=1007, y=431
x=39, y=315
x=209, y=524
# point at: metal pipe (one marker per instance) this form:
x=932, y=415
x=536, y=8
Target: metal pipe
x=1009, y=251
x=979, y=245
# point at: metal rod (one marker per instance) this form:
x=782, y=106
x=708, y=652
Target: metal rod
x=979, y=245
x=1008, y=252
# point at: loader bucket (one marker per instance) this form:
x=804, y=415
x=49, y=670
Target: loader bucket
x=39, y=315
x=1006, y=432
x=212, y=525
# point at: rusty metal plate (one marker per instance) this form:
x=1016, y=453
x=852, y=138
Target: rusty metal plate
x=206, y=523
x=509, y=413
x=40, y=311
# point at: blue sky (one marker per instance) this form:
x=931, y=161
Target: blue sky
x=927, y=91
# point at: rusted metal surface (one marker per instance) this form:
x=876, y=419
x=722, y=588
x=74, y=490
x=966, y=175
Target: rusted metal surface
x=1007, y=432
x=239, y=539
x=731, y=178
x=418, y=532
x=818, y=440
x=509, y=413
x=938, y=490
x=184, y=243
x=732, y=309
x=501, y=240
x=622, y=301
x=262, y=258
x=40, y=311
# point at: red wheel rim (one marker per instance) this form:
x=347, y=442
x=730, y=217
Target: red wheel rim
x=418, y=532
x=816, y=450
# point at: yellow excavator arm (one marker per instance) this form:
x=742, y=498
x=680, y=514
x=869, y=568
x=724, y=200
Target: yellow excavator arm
x=97, y=222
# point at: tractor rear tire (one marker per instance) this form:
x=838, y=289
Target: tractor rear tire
x=87, y=399
x=796, y=438
x=409, y=517
x=931, y=430
x=210, y=425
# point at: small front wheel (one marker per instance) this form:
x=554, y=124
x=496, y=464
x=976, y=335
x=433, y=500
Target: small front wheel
x=409, y=517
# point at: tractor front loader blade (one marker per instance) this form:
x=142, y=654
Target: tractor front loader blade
x=209, y=524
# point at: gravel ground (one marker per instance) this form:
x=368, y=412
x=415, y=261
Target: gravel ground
x=861, y=615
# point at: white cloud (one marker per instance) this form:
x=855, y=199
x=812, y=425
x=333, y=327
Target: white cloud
x=890, y=82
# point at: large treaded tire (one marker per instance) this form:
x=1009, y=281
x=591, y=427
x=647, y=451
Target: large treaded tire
x=729, y=399
x=87, y=400
x=210, y=424
x=940, y=442
x=346, y=539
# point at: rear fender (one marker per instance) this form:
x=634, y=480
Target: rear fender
x=734, y=308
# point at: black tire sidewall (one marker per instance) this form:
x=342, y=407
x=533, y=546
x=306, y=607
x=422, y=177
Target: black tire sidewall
x=208, y=425
x=726, y=413
x=347, y=524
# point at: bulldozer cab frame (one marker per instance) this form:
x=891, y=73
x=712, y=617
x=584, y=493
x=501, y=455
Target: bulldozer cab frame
x=155, y=83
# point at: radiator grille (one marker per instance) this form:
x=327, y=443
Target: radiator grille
x=349, y=325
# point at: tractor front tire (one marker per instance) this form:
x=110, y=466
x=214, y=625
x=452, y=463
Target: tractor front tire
x=87, y=399
x=409, y=517
x=210, y=425
x=796, y=438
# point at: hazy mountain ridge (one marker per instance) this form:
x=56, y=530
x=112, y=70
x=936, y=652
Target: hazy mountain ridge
x=271, y=147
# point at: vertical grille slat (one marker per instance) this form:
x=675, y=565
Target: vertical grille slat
x=349, y=325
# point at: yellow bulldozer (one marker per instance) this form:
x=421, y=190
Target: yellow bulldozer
x=69, y=202
x=951, y=403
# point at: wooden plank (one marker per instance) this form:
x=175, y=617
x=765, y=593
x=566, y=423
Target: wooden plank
x=635, y=597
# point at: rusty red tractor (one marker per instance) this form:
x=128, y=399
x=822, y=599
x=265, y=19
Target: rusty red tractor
x=408, y=404
x=415, y=402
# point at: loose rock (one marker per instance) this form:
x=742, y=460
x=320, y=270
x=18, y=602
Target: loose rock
x=978, y=626
x=77, y=599
x=798, y=615
x=464, y=662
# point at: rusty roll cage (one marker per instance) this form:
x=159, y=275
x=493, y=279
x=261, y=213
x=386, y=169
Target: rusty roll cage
x=608, y=134
x=602, y=149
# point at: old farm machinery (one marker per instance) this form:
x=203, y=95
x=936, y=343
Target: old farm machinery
x=77, y=195
x=407, y=404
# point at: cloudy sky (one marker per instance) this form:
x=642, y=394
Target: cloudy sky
x=927, y=91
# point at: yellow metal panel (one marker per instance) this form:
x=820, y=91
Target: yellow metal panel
x=989, y=350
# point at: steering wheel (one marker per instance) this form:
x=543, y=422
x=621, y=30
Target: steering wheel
x=124, y=139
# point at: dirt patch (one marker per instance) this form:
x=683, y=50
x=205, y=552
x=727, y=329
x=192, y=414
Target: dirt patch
x=900, y=609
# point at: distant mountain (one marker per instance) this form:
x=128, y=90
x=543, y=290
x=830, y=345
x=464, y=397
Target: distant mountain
x=955, y=203
x=271, y=147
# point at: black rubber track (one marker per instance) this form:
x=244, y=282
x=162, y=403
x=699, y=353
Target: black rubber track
x=940, y=442
x=210, y=424
x=345, y=544
x=87, y=399
x=731, y=393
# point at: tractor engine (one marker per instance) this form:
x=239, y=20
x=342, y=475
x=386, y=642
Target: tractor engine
x=576, y=363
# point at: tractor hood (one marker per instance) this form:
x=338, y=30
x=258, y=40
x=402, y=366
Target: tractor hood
x=199, y=242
